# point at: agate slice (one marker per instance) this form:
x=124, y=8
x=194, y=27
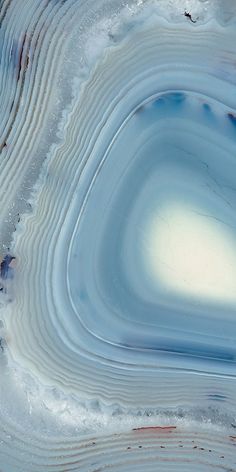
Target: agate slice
x=118, y=235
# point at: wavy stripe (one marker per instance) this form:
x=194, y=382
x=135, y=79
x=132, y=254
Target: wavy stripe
x=117, y=236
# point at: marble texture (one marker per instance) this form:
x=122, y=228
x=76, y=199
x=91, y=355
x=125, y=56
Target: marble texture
x=117, y=235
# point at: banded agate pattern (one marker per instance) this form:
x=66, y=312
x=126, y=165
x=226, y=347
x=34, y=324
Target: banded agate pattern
x=118, y=235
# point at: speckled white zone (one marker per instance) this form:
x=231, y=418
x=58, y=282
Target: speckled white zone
x=118, y=197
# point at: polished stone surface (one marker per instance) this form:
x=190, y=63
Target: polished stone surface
x=117, y=235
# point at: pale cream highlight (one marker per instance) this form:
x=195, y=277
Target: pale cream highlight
x=192, y=253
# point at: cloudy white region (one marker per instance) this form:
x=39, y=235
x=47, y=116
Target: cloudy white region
x=192, y=253
x=98, y=371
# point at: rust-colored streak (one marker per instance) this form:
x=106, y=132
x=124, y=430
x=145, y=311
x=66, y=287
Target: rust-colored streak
x=22, y=68
x=158, y=429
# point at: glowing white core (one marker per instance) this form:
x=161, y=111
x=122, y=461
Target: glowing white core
x=192, y=253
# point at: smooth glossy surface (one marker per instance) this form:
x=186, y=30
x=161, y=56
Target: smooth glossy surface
x=118, y=235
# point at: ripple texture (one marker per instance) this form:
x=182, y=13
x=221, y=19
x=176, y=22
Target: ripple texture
x=118, y=235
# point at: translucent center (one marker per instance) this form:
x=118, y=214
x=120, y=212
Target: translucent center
x=189, y=252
